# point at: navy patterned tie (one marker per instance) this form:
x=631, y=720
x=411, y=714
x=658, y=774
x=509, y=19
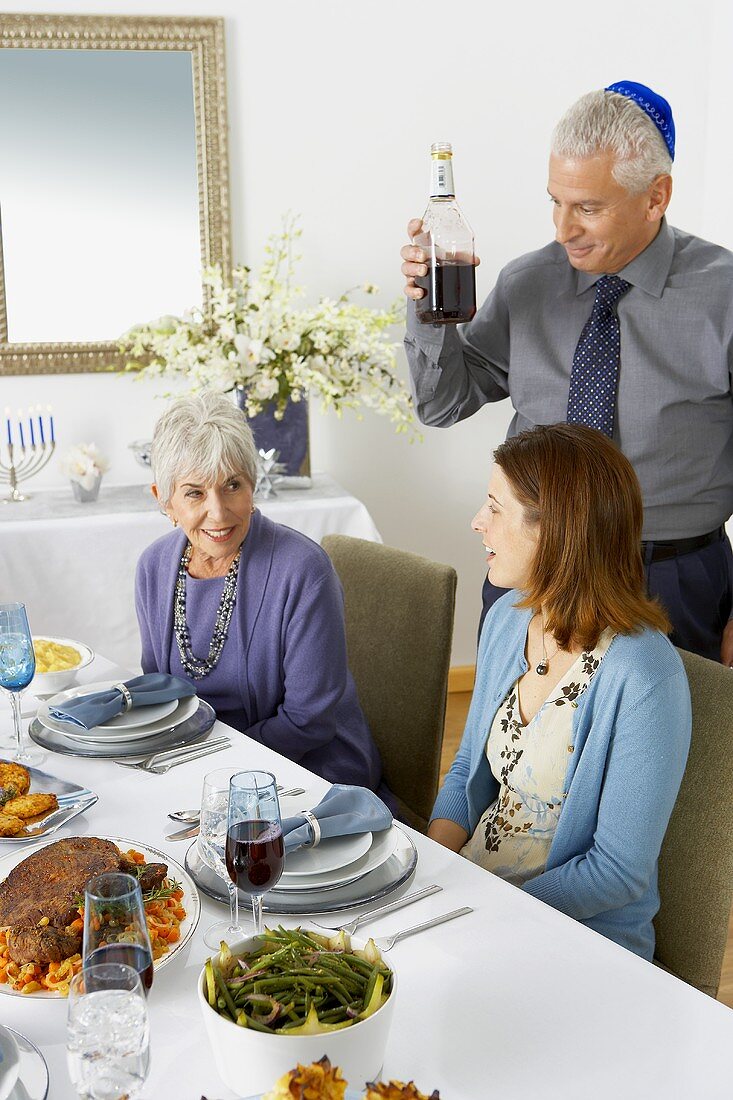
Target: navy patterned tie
x=594, y=377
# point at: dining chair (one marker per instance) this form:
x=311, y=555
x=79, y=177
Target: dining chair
x=696, y=861
x=399, y=625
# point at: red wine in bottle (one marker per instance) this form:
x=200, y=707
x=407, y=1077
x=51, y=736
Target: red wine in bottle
x=447, y=238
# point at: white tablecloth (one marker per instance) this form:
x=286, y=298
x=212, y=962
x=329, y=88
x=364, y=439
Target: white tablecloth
x=73, y=565
x=515, y=1000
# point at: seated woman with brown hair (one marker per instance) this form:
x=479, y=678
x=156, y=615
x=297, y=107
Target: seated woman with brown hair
x=579, y=727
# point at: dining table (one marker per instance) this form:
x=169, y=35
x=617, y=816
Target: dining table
x=86, y=554
x=513, y=1000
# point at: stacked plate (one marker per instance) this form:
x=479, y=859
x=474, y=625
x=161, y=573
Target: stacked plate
x=139, y=731
x=23, y=1069
x=340, y=873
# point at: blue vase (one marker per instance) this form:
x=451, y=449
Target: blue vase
x=288, y=436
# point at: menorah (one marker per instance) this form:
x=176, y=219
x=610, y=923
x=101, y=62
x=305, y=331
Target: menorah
x=29, y=461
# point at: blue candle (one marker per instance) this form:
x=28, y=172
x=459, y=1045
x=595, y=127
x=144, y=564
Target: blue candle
x=20, y=428
x=50, y=416
x=7, y=426
x=40, y=424
x=30, y=425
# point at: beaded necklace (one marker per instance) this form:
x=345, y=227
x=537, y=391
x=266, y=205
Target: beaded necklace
x=197, y=667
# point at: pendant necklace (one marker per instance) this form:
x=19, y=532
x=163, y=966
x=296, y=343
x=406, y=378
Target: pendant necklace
x=544, y=666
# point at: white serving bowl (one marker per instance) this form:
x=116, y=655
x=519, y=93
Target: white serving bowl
x=44, y=682
x=250, y=1061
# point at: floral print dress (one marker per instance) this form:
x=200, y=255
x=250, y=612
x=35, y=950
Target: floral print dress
x=530, y=762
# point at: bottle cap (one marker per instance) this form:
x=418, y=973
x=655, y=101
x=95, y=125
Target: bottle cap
x=441, y=150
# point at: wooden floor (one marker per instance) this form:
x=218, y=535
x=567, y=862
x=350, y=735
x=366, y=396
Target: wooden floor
x=454, y=722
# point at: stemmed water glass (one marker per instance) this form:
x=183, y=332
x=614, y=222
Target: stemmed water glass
x=107, y=1036
x=115, y=928
x=212, y=847
x=255, y=852
x=17, y=668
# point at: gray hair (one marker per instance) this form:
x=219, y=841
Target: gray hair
x=204, y=435
x=602, y=122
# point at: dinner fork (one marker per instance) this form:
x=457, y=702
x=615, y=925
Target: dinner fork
x=386, y=943
x=352, y=925
x=206, y=750
x=170, y=754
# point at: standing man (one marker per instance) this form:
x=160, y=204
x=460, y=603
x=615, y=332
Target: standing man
x=622, y=323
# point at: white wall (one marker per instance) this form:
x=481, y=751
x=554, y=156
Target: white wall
x=332, y=107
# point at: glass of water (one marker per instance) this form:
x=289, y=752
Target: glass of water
x=212, y=845
x=17, y=668
x=107, y=1033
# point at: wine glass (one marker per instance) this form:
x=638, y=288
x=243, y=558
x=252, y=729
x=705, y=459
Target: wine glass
x=107, y=1032
x=17, y=669
x=255, y=852
x=212, y=847
x=115, y=928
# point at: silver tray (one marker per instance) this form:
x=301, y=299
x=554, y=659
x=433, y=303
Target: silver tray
x=194, y=727
x=374, y=885
x=73, y=800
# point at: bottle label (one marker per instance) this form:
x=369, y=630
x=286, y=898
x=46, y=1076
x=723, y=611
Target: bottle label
x=441, y=179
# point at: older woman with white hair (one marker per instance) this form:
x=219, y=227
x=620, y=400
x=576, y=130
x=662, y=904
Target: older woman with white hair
x=248, y=610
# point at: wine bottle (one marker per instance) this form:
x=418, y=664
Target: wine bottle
x=447, y=238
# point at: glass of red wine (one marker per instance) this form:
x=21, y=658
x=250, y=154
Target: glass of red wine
x=115, y=928
x=255, y=852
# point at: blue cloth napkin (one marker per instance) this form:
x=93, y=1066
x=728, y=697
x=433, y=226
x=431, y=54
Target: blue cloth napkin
x=342, y=811
x=88, y=711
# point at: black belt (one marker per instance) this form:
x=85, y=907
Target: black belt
x=663, y=550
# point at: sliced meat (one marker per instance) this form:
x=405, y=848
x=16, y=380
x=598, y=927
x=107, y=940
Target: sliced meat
x=50, y=882
x=42, y=945
x=152, y=875
x=149, y=875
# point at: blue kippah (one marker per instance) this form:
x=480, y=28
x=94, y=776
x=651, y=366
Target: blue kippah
x=653, y=105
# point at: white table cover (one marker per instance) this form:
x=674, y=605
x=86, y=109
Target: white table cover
x=73, y=565
x=515, y=1000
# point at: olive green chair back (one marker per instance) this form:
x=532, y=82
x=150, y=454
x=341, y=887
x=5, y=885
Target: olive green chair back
x=399, y=626
x=696, y=861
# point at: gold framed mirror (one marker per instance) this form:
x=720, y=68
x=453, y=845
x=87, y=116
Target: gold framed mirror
x=114, y=189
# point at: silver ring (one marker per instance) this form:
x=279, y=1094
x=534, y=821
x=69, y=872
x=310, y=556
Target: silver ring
x=316, y=828
x=126, y=697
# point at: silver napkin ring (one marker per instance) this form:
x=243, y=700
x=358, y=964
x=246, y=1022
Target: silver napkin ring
x=313, y=822
x=126, y=697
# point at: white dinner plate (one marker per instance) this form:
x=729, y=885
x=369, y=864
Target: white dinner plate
x=332, y=854
x=382, y=846
x=33, y=1078
x=9, y=1063
x=190, y=901
x=180, y=712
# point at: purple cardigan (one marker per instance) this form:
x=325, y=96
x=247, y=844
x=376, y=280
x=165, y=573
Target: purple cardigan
x=291, y=678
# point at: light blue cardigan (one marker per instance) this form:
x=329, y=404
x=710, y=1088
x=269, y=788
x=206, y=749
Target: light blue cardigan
x=631, y=735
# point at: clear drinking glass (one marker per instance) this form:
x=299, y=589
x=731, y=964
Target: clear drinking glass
x=212, y=848
x=107, y=1033
x=17, y=669
x=115, y=928
x=255, y=852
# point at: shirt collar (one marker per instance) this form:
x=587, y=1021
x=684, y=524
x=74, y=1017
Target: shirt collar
x=648, y=270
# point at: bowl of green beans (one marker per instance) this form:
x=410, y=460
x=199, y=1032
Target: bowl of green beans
x=293, y=995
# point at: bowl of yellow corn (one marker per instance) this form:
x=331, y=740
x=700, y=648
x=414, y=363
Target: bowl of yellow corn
x=57, y=662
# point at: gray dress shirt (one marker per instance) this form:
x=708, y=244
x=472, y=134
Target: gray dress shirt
x=674, y=417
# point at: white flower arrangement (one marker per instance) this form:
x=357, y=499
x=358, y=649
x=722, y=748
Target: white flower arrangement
x=84, y=464
x=254, y=335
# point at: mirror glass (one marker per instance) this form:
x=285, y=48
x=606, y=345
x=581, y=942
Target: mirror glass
x=99, y=201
